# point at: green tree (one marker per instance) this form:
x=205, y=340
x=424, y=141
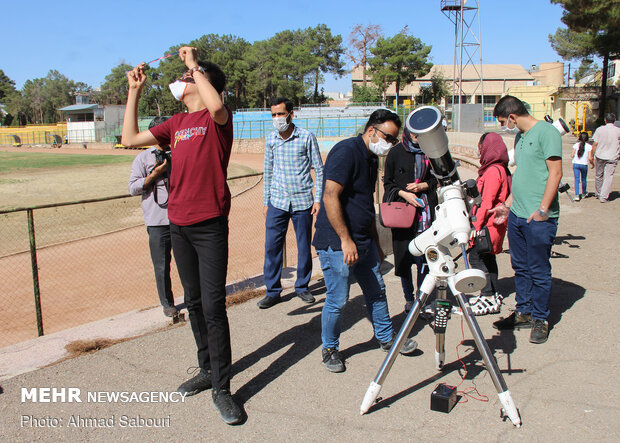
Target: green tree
x=435, y=92
x=399, y=60
x=261, y=64
x=366, y=94
x=115, y=87
x=327, y=50
x=7, y=90
x=586, y=68
x=361, y=40
x=7, y=86
x=592, y=28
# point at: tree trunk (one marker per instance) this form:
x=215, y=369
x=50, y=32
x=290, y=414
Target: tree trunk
x=603, y=99
x=316, y=86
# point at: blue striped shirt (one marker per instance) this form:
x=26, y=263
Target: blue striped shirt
x=287, y=180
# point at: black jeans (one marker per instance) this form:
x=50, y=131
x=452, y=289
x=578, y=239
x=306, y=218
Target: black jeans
x=160, y=246
x=201, y=254
x=486, y=262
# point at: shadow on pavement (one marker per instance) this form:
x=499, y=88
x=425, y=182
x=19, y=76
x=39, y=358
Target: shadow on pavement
x=304, y=338
x=468, y=366
x=564, y=295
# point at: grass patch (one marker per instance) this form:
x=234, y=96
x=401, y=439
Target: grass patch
x=17, y=161
x=244, y=295
x=81, y=347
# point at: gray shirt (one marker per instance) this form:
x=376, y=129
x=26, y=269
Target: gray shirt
x=608, y=141
x=154, y=214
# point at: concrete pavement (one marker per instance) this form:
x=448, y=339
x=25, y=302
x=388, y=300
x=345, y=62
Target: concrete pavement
x=563, y=388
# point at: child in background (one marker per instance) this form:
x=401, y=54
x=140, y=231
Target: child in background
x=581, y=153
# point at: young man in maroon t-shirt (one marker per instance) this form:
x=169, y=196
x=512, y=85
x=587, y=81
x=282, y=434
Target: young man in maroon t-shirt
x=200, y=144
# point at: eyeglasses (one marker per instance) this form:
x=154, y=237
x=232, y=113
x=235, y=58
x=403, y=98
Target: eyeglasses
x=388, y=137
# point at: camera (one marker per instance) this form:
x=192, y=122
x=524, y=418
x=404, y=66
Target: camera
x=161, y=156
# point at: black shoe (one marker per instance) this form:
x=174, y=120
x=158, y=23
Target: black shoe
x=408, y=347
x=306, y=297
x=540, y=331
x=333, y=360
x=170, y=311
x=228, y=409
x=268, y=302
x=196, y=384
x=516, y=320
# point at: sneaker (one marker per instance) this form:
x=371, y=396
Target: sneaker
x=196, y=384
x=268, y=302
x=332, y=360
x=408, y=347
x=306, y=297
x=170, y=311
x=516, y=320
x=226, y=406
x=577, y=198
x=540, y=331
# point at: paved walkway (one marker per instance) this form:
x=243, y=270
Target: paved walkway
x=563, y=389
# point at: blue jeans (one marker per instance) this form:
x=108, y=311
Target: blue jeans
x=530, y=250
x=581, y=174
x=276, y=225
x=338, y=278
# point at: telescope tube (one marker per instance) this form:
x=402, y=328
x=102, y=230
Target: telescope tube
x=425, y=123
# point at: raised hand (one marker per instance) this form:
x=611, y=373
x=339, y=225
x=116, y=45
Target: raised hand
x=136, y=77
x=189, y=56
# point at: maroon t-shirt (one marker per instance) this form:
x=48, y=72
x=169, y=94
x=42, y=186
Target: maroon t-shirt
x=200, y=151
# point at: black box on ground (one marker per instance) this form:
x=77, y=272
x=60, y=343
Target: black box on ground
x=443, y=398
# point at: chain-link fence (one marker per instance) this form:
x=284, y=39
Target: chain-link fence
x=68, y=264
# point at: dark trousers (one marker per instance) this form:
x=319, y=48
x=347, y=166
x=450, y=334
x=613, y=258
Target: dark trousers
x=201, y=254
x=530, y=251
x=160, y=246
x=276, y=225
x=487, y=262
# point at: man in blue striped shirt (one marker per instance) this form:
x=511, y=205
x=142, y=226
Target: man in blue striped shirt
x=290, y=153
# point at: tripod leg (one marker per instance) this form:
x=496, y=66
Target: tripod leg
x=491, y=364
x=375, y=385
x=440, y=337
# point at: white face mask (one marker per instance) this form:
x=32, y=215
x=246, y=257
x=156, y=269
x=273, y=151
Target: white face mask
x=178, y=89
x=513, y=130
x=281, y=124
x=380, y=148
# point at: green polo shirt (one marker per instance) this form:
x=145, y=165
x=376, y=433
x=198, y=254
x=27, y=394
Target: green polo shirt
x=532, y=149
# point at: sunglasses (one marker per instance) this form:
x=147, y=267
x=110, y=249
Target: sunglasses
x=388, y=137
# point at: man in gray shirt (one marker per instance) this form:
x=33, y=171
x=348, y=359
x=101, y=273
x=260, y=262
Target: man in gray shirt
x=150, y=179
x=605, y=153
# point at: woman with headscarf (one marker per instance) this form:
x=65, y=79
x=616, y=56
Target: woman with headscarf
x=407, y=178
x=494, y=180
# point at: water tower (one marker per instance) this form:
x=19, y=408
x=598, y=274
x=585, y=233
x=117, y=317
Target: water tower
x=467, y=114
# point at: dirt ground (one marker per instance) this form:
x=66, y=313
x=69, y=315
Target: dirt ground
x=91, y=267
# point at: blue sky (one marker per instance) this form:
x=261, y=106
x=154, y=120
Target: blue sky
x=84, y=40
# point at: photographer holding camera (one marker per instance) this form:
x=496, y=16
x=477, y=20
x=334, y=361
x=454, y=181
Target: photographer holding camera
x=149, y=177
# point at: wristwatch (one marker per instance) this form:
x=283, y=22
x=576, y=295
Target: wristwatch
x=194, y=69
x=542, y=213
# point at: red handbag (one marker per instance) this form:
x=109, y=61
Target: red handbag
x=396, y=214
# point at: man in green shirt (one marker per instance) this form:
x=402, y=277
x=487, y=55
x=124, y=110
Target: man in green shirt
x=532, y=211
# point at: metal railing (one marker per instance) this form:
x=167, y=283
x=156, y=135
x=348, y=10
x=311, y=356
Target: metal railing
x=67, y=264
